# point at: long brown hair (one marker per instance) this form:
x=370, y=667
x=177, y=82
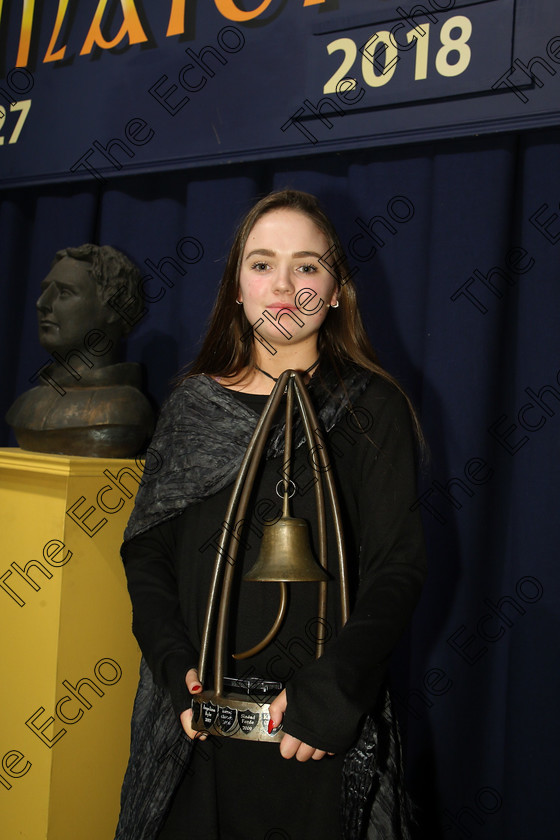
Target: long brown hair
x=228, y=347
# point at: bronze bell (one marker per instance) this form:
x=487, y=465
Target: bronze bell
x=285, y=553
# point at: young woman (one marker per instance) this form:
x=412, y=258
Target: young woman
x=286, y=301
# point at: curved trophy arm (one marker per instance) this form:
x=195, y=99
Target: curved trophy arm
x=307, y=411
x=238, y=500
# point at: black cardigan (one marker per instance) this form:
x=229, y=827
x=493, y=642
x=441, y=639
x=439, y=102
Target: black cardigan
x=169, y=568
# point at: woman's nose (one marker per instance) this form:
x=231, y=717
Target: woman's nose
x=283, y=280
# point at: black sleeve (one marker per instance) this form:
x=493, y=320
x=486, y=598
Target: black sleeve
x=157, y=622
x=328, y=697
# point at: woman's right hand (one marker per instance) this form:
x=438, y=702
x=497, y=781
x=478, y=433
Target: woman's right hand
x=194, y=686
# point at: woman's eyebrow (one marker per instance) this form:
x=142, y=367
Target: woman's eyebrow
x=266, y=252
x=263, y=252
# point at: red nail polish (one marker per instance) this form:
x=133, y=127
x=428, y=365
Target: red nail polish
x=270, y=726
x=196, y=687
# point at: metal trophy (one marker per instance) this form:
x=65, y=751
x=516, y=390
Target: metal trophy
x=239, y=708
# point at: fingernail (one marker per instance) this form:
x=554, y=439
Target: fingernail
x=196, y=687
x=270, y=726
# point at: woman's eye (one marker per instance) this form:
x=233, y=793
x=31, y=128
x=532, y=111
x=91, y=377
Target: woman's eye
x=309, y=268
x=260, y=266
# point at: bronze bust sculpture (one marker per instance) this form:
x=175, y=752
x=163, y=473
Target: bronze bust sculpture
x=87, y=402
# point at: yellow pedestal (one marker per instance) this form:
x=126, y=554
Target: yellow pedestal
x=69, y=662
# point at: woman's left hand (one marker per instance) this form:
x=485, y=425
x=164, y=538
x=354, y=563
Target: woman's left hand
x=290, y=746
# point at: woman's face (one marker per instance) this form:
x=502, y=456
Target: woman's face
x=284, y=288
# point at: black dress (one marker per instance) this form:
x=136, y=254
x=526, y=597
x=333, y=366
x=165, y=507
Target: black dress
x=234, y=789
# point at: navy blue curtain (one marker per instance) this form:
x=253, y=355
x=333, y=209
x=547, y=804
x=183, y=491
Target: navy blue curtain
x=456, y=246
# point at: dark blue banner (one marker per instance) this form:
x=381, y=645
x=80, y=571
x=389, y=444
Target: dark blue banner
x=106, y=87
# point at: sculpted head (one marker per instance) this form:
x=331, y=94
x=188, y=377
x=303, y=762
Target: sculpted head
x=76, y=297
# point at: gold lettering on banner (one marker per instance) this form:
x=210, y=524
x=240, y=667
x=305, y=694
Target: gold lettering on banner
x=25, y=32
x=229, y=10
x=60, y=15
x=176, y=24
x=131, y=26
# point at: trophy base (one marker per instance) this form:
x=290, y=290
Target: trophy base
x=235, y=715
